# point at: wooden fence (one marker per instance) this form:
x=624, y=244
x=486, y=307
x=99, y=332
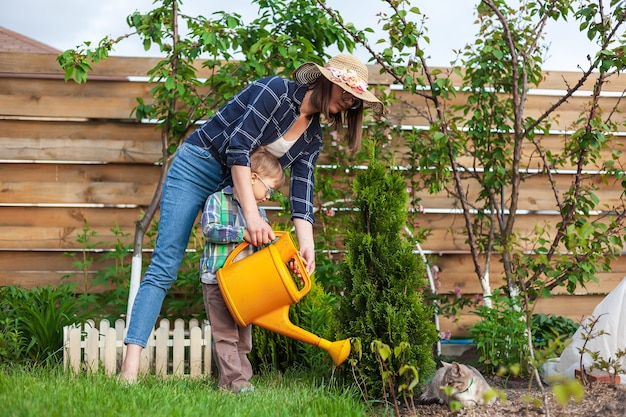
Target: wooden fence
x=177, y=351
x=73, y=153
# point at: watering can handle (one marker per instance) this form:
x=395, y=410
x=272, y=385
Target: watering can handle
x=306, y=280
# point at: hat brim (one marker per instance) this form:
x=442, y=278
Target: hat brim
x=309, y=72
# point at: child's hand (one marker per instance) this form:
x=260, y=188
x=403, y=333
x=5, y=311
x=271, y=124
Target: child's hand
x=259, y=231
x=246, y=236
x=293, y=265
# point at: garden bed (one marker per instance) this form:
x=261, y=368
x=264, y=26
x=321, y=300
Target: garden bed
x=524, y=399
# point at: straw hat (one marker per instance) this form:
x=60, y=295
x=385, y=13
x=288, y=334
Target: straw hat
x=346, y=71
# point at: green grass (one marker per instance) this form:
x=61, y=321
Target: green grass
x=52, y=393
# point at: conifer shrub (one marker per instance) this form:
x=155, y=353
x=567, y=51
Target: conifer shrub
x=383, y=278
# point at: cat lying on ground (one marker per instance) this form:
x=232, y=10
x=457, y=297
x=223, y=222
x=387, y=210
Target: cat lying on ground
x=466, y=384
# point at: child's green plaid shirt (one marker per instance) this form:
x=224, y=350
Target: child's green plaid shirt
x=222, y=224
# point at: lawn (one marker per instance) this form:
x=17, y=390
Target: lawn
x=51, y=392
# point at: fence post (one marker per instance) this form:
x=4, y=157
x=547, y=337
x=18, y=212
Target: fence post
x=110, y=351
x=178, y=348
x=92, y=345
x=104, y=328
x=161, y=353
x=195, y=350
x=120, y=333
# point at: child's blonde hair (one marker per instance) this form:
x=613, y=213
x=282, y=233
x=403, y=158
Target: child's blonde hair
x=265, y=164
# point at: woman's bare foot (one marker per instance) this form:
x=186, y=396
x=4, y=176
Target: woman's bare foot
x=130, y=366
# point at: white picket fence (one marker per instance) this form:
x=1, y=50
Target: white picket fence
x=179, y=351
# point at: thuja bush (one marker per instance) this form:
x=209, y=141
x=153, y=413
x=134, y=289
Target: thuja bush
x=383, y=278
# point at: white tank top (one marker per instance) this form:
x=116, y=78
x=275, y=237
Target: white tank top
x=280, y=147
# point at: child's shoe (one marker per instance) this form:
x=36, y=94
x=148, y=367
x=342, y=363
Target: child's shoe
x=246, y=390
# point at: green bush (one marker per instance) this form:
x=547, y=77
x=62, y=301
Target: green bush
x=11, y=342
x=500, y=334
x=383, y=279
x=33, y=321
x=551, y=328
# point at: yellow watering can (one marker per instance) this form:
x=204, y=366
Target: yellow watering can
x=259, y=289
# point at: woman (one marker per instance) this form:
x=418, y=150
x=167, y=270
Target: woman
x=275, y=112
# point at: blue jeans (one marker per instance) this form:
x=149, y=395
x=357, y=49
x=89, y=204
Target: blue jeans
x=193, y=175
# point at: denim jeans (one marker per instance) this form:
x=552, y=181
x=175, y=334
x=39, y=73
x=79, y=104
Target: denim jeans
x=193, y=175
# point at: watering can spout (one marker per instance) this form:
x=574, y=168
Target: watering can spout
x=260, y=288
x=278, y=321
x=339, y=350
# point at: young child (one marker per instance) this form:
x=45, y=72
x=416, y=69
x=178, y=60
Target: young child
x=224, y=227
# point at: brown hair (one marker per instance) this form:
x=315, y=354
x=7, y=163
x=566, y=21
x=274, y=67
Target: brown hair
x=320, y=98
x=267, y=165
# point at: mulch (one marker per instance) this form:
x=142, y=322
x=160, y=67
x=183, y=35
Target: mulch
x=524, y=398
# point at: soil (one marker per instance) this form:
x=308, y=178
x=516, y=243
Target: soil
x=600, y=399
x=525, y=398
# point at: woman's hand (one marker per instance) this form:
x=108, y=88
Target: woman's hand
x=304, y=233
x=308, y=258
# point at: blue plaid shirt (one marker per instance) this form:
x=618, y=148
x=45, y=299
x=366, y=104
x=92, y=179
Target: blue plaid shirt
x=258, y=115
x=222, y=224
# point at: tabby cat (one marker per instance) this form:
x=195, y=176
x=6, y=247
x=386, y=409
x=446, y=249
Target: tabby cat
x=467, y=385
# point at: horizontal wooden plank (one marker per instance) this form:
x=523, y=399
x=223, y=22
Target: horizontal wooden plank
x=75, y=184
x=23, y=97
x=59, y=228
x=53, y=265
x=26, y=279
x=111, y=141
x=115, y=66
x=535, y=193
x=457, y=271
x=448, y=230
x=565, y=80
x=71, y=184
x=551, y=80
x=112, y=67
x=94, y=141
x=30, y=269
x=46, y=64
x=530, y=158
x=574, y=307
x=58, y=261
x=413, y=109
